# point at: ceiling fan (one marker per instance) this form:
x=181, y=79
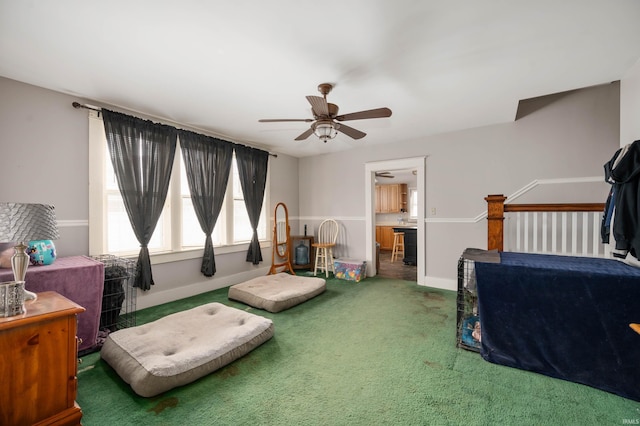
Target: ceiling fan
x=384, y=174
x=325, y=115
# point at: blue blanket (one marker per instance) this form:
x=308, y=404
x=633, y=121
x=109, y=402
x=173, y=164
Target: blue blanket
x=565, y=317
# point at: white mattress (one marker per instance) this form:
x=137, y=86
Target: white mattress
x=275, y=293
x=182, y=347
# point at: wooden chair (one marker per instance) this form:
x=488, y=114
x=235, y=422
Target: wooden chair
x=398, y=245
x=327, y=237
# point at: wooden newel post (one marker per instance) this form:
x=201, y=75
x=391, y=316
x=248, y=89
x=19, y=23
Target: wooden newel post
x=495, y=221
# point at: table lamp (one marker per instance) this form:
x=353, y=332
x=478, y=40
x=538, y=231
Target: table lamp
x=21, y=223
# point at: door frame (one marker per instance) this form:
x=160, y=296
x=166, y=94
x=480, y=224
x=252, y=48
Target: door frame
x=413, y=163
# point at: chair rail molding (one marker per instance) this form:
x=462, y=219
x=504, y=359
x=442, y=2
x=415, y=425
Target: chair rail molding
x=73, y=223
x=514, y=196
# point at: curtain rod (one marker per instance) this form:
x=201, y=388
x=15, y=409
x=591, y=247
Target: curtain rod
x=92, y=108
x=79, y=105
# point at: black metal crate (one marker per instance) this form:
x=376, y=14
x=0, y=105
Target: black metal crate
x=468, y=320
x=119, y=295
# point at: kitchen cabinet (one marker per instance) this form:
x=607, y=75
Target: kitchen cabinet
x=391, y=198
x=384, y=236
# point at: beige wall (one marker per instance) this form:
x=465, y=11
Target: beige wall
x=630, y=106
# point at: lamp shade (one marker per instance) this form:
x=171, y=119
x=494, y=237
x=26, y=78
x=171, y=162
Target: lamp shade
x=26, y=222
x=325, y=129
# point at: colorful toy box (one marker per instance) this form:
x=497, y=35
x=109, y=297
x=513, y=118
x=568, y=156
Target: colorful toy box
x=350, y=269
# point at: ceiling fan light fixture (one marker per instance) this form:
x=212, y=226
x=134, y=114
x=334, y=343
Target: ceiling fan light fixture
x=325, y=114
x=325, y=130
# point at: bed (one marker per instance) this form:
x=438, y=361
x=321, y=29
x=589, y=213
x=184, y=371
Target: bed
x=563, y=316
x=277, y=292
x=183, y=347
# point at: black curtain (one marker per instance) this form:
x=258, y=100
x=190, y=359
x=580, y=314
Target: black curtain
x=207, y=165
x=142, y=155
x=252, y=168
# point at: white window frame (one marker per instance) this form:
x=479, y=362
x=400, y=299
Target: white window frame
x=413, y=203
x=174, y=252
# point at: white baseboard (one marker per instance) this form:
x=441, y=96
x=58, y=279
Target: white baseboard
x=154, y=298
x=441, y=283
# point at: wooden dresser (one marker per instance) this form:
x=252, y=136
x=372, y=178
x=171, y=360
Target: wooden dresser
x=38, y=367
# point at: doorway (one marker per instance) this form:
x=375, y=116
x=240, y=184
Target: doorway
x=397, y=269
x=414, y=163
x=394, y=209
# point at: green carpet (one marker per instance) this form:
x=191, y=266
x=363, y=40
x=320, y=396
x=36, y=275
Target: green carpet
x=378, y=352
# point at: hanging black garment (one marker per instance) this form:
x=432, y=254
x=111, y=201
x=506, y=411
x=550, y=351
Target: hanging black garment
x=623, y=171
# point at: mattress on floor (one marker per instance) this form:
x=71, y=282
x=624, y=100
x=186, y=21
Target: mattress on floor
x=275, y=293
x=182, y=347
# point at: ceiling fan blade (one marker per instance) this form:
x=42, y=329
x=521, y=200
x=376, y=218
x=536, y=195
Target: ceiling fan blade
x=350, y=131
x=361, y=115
x=304, y=135
x=319, y=106
x=274, y=120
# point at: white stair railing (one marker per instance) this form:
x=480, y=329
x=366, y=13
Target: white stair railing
x=575, y=233
x=569, y=229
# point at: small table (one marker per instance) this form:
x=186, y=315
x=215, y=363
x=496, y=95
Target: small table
x=295, y=242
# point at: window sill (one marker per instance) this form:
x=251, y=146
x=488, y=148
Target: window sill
x=177, y=256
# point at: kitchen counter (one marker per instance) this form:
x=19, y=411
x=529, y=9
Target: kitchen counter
x=410, y=243
x=397, y=225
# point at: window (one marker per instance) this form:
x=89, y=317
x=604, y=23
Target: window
x=177, y=229
x=413, y=203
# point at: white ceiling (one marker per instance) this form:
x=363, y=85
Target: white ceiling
x=398, y=176
x=219, y=66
